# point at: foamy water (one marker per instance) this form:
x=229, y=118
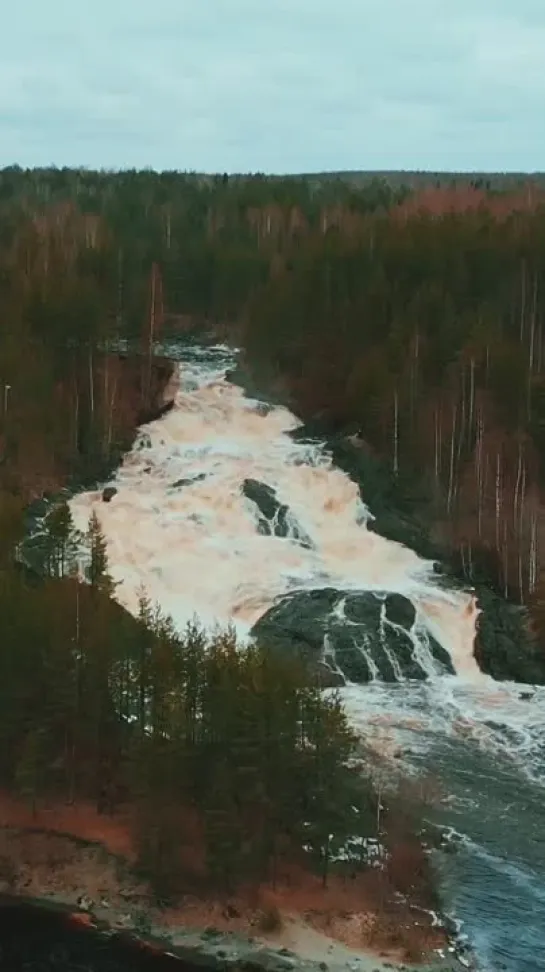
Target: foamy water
x=181, y=528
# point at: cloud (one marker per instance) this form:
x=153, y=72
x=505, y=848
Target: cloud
x=294, y=85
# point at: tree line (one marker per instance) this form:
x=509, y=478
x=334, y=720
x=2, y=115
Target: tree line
x=94, y=702
x=231, y=760
x=89, y=260
x=424, y=329
x=416, y=317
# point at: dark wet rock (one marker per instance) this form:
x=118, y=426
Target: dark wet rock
x=180, y=483
x=108, y=493
x=399, y=610
x=274, y=516
x=263, y=408
x=404, y=511
x=352, y=663
x=155, y=411
x=504, y=646
x=253, y=386
x=300, y=616
x=328, y=676
x=350, y=633
x=317, y=429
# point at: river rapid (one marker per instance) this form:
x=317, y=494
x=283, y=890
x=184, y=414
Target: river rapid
x=181, y=527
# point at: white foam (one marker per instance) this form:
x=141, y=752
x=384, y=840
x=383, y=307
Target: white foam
x=197, y=551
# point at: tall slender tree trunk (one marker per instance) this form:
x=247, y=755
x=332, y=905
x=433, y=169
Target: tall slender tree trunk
x=471, y=395
x=522, y=300
x=437, y=460
x=498, y=499
x=451, y=466
x=91, y=385
x=531, y=352
x=396, y=433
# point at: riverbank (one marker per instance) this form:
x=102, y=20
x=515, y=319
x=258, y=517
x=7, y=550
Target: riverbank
x=74, y=858
x=354, y=914
x=130, y=410
x=404, y=510
x=94, y=459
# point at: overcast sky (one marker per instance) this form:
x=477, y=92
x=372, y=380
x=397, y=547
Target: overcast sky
x=274, y=85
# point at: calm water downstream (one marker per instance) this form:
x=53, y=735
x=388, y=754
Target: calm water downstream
x=181, y=526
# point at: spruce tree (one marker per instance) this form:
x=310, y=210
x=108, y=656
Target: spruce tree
x=97, y=571
x=62, y=541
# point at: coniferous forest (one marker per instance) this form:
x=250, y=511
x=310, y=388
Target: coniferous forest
x=412, y=317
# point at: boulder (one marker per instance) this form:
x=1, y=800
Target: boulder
x=180, y=483
x=275, y=518
x=504, y=645
x=108, y=493
x=349, y=635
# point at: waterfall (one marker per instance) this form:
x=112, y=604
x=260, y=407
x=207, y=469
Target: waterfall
x=222, y=515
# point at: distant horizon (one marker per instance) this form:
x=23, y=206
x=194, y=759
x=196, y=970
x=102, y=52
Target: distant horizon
x=308, y=174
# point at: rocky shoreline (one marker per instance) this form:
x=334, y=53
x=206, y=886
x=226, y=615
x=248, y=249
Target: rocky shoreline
x=401, y=510
x=98, y=895
x=164, y=386
x=209, y=947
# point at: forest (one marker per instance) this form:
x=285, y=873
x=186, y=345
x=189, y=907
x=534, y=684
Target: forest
x=422, y=331
x=233, y=752
x=414, y=317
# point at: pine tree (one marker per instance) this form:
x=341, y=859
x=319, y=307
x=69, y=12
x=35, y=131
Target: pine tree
x=97, y=572
x=62, y=542
x=144, y=648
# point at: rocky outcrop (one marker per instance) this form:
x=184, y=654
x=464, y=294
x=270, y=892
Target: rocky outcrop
x=402, y=511
x=163, y=385
x=352, y=636
x=274, y=517
x=504, y=645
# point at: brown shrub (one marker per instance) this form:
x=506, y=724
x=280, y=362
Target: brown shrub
x=407, y=866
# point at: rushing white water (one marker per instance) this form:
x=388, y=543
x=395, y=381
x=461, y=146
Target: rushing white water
x=195, y=546
x=181, y=527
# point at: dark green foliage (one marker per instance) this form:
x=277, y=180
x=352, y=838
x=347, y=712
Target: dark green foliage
x=423, y=331
x=61, y=543
x=97, y=568
x=229, y=757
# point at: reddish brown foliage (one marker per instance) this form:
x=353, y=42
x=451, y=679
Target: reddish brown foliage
x=463, y=199
x=357, y=909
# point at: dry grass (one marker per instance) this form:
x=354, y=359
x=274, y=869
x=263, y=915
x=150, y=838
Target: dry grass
x=357, y=910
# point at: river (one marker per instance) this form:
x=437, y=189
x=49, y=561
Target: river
x=181, y=527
